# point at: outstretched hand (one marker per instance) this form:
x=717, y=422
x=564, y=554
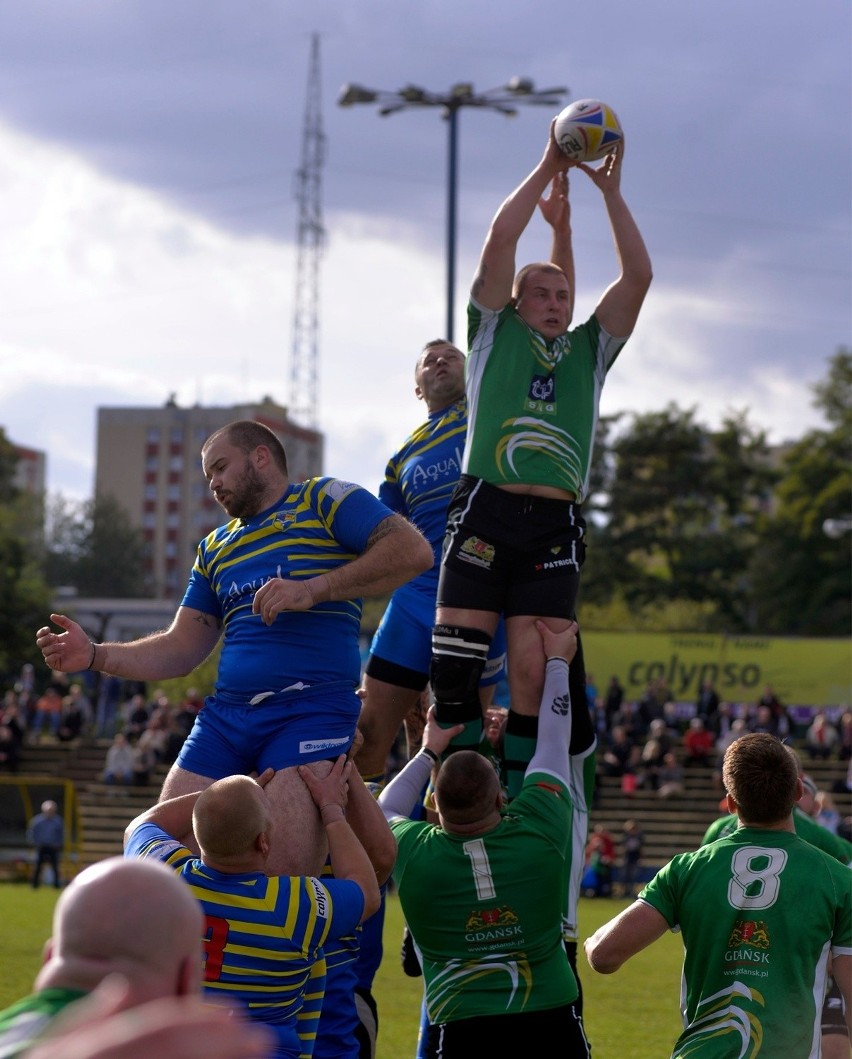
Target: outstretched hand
x=606, y=176
x=331, y=789
x=554, y=157
x=558, y=644
x=436, y=738
x=69, y=651
x=554, y=206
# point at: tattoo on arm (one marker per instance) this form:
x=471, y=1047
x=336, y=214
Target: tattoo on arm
x=208, y=620
x=478, y=280
x=386, y=526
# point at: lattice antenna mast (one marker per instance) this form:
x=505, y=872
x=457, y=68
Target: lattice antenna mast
x=304, y=360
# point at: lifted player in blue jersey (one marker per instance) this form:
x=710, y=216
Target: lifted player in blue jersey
x=283, y=580
x=419, y=482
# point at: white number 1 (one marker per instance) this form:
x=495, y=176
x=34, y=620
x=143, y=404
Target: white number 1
x=482, y=878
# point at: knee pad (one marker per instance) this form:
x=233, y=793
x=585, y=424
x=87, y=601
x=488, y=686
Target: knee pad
x=458, y=659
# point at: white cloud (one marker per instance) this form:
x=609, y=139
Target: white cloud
x=112, y=295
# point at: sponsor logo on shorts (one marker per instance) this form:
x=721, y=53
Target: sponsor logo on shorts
x=311, y=746
x=478, y=552
x=557, y=564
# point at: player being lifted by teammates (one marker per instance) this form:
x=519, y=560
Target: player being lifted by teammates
x=419, y=483
x=515, y=529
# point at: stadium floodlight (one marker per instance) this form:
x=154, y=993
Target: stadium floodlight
x=504, y=100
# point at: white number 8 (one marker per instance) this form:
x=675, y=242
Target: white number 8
x=753, y=887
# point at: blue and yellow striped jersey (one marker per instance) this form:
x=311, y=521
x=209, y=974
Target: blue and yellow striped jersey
x=421, y=476
x=317, y=525
x=263, y=934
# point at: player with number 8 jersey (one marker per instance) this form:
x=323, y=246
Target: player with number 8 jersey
x=754, y=965
x=760, y=912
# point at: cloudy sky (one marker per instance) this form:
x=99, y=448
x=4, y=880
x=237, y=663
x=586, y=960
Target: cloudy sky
x=148, y=151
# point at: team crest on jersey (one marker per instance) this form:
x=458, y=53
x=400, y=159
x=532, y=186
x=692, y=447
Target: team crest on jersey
x=749, y=932
x=478, y=552
x=542, y=394
x=486, y=918
x=283, y=519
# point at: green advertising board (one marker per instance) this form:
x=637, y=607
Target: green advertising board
x=801, y=671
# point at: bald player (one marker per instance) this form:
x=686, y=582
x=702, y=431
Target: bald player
x=264, y=934
x=133, y=919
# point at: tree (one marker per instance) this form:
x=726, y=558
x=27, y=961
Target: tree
x=801, y=573
x=95, y=548
x=25, y=597
x=678, y=521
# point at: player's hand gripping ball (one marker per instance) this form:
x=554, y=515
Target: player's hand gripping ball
x=587, y=129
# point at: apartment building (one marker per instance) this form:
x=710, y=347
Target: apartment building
x=31, y=470
x=149, y=459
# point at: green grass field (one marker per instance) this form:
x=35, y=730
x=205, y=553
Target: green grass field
x=630, y=1015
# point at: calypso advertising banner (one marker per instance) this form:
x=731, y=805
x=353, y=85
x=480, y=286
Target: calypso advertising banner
x=800, y=671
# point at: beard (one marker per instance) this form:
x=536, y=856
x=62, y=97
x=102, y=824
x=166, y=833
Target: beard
x=447, y=390
x=246, y=498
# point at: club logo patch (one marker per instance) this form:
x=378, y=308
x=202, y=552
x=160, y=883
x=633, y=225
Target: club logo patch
x=541, y=396
x=478, y=552
x=491, y=917
x=749, y=932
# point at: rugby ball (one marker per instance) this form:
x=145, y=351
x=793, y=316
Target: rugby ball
x=587, y=129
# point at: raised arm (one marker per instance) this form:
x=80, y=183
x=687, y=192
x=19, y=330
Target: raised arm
x=556, y=210
x=174, y=816
x=619, y=307
x=172, y=652
x=371, y=828
x=554, y=716
x=400, y=796
x=395, y=553
x=492, y=284
x=349, y=859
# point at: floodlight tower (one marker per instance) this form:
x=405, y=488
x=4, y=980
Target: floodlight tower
x=304, y=357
